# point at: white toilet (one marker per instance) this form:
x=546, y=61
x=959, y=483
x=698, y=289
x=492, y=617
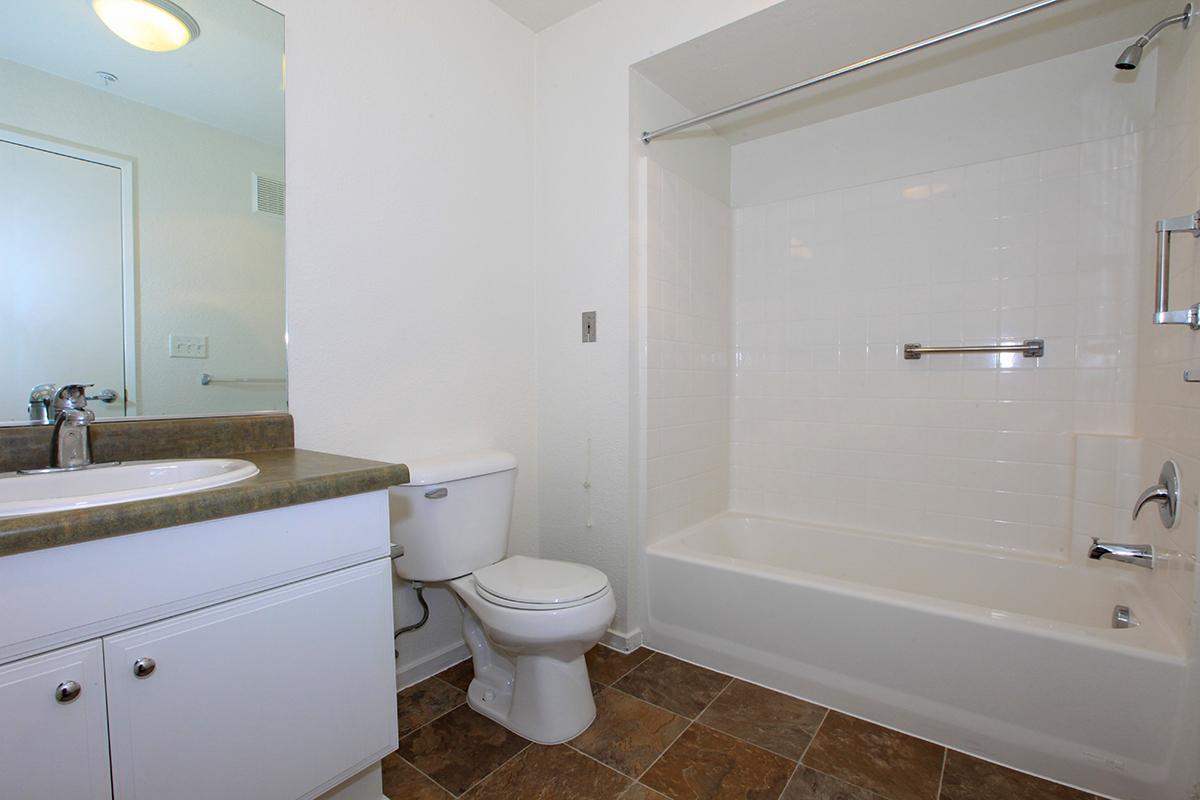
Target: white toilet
x=527, y=621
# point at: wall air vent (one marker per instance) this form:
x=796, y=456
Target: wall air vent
x=268, y=195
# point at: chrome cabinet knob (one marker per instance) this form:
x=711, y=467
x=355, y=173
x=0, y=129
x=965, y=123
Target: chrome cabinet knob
x=67, y=691
x=144, y=667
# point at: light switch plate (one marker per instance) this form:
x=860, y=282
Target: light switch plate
x=187, y=346
x=589, y=326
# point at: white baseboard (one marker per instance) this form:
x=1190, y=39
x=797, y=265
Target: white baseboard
x=431, y=665
x=625, y=641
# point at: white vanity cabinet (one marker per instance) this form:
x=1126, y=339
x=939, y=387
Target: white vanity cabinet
x=282, y=689
x=293, y=677
x=53, y=731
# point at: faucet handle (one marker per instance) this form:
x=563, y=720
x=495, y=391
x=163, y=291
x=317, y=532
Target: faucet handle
x=72, y=396
x=1165, y=493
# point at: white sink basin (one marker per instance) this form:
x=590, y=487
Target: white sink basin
x=41, y=493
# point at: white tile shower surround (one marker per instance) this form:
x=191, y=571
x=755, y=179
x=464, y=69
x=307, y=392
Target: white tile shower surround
x=688, y=348
x=832, y=425
x=1168, y=410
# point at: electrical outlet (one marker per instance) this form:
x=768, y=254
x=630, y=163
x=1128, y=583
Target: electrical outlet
x=187, y=346
x=589, y=326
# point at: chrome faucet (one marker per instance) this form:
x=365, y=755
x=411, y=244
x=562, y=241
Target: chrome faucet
x=1141, y=555
x=41, y=397
x=71, y=446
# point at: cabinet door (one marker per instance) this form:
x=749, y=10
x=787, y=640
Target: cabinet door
x=274, y=696
x=53, y=730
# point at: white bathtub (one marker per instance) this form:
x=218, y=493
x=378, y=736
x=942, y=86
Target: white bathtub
x=1011, y=659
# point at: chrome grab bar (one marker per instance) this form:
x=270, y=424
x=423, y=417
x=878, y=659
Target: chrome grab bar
x=1030, y=348
x=207, y=379
x=1162, y=288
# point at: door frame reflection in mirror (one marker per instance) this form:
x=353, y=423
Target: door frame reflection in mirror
x=128, y=253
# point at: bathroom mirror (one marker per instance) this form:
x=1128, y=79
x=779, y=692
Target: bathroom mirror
x=142, y=205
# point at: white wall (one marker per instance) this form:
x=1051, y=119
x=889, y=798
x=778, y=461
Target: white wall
x=584, y=258
x=206, y=265
x=411, y=287
x=986, y=236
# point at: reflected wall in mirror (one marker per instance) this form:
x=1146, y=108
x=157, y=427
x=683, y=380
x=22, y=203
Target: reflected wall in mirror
x=141, y=206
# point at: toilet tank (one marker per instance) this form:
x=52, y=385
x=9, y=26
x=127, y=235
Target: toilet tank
x=452, y=516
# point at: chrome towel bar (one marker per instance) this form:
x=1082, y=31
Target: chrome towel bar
x=1030, y=348
x=1162, y=288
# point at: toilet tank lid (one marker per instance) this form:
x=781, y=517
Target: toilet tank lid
x=443, y=469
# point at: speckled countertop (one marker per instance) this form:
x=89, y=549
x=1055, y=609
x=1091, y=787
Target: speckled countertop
x=286, y=477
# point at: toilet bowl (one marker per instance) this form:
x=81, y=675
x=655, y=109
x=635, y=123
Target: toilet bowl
x=530, y=674
x=527, y=621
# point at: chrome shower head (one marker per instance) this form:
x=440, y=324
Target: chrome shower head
x=1131, y=56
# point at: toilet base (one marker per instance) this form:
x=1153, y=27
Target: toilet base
x=542, y=698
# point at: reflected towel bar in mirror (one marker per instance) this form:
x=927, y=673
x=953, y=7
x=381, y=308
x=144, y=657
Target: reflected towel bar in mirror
x=206, y=379
x=1030, y=348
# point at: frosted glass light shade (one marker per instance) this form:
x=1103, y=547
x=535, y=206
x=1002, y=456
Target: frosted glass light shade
x=156, y=25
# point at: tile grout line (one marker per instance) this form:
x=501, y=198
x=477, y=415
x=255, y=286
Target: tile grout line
x=514, y=757
x=816, y=733
x=696, y=719
x=435, y=781
x=942, y=774
x=631, y=669
x=654, y=705
x=608, y=767
x=791, y=777
x=686, y=728
x=439, y=716
x=835, y=778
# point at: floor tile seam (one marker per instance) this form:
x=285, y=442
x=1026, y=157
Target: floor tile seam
x=816, y=733
x=791, y=777
x=499, y=766
x=744, y=740
x=732, y=678
x=840, y=780
x=848, y=782
x=748, y=743
x=427, y=723
x=609, y=767
x=631, y=669
x=654, y=705
x=439, y=678
x=942, y=774
x=425, y=775
x=666, y=749
x=695, y=723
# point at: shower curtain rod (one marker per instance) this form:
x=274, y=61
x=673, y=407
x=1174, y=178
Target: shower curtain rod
x=650, y=136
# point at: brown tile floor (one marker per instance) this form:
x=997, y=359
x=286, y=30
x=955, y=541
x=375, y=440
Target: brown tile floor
x=668, y=729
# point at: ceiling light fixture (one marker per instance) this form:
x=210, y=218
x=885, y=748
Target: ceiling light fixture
x=156, y=25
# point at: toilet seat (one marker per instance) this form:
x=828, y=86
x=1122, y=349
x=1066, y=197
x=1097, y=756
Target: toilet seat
x=539, y=584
